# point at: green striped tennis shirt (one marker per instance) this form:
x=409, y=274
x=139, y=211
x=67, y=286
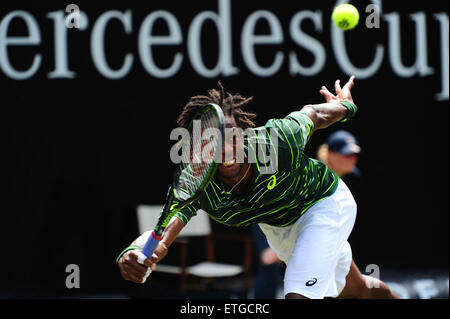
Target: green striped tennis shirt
x=277, y=199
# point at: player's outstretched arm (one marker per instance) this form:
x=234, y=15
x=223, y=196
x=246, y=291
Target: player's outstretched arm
x=333, y=111
x=171, y=232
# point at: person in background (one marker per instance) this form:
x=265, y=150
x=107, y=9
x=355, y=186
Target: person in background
x=340, y=153
x=269, y=276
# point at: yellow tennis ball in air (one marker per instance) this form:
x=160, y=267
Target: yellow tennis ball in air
x=345, y=16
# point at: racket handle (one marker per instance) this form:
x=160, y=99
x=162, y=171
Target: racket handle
x=151, y=244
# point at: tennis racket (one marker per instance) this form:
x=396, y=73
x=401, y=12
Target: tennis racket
x=196, y=169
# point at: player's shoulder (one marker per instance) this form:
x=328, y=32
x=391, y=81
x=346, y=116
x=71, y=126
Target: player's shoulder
x=293, y=119
x=301, y=118
x=295, y=124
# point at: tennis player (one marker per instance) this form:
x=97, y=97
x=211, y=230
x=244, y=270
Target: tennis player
x=304, y=209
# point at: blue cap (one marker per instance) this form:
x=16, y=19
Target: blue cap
x=343, y=142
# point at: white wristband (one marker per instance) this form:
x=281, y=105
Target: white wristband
x=149, y=271
x=141, y=257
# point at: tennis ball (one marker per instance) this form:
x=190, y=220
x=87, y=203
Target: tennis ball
x=345, y=16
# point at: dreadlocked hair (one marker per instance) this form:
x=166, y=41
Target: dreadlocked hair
x=232, y=105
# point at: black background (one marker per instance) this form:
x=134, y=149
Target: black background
x=80, y=154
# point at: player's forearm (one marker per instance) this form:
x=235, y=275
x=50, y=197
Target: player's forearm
x=171, y=232
x=325, y=114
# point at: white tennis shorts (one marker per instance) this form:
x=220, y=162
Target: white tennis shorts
x=315, y=248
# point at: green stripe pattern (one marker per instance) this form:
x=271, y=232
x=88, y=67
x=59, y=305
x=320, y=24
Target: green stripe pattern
x=277, y=199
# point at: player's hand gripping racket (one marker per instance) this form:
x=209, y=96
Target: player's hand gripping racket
x=197, y=167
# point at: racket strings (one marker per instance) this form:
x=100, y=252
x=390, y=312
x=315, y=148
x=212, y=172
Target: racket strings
x=195, y=165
